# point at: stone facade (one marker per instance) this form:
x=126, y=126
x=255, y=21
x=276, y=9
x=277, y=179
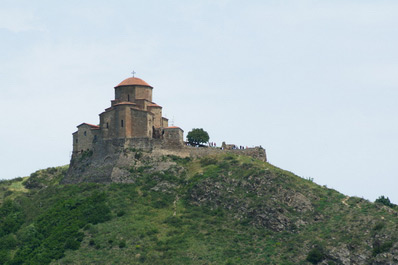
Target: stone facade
x=132, y=115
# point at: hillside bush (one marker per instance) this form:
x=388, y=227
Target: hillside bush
x=316, y=255
x=11, y=217
x=381, y=247
x=385, y=201
x=122, y=244
x=57, y=229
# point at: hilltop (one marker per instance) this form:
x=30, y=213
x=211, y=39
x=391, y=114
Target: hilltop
x=223, y=208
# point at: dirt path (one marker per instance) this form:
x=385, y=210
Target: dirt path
x=344, y=201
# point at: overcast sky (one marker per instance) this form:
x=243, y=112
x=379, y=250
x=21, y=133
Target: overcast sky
x=314, y=82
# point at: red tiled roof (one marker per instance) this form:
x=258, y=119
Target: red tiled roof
x=133, y=81
x=125, y=103
x=154, y=105
x=173, y=127
x=91, y=125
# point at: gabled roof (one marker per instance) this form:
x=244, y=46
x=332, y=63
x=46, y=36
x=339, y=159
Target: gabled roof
x=133, y=81
x=88, y=124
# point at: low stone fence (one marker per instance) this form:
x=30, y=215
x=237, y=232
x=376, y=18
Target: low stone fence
x=255, y=152
x=189, y=151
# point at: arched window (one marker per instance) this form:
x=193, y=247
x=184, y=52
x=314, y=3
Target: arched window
x=85, y=133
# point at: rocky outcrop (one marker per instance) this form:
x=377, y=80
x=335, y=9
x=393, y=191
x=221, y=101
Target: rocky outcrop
x=120, y=165
x=253, y=199
x=112, y=161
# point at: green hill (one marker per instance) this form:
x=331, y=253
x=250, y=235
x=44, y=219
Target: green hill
x=222, y=209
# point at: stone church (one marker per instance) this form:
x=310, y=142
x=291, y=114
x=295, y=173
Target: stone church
x=132, y=134
x=132, y=116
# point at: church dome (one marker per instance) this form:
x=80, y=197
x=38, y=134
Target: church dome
x=133, y=81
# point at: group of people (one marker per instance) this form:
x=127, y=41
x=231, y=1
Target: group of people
x=212, y=144
x=240, y=147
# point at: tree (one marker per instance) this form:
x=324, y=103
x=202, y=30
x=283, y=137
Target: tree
x=197, y=137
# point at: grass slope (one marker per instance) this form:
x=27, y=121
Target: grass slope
x=221, y=209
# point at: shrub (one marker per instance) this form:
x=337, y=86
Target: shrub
x=8, y=242
x=137, y=155
x=380, y=248
x=85, y=154
x=316, y=255
x=72, y=244
x=120, y=213
x=11, y=217
x=7, y=193
x=385, y=201
x=122, y=244
x=378, y=226
x=4, y=256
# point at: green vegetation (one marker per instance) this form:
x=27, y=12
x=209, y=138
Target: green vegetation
x=197, y=137
x=385, y=201
x=223, y=209
x=316, y=255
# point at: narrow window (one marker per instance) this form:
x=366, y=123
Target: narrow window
x=122, y=123
x=128, y=97
x=85, y=133
x=107, y=125
x=77, y=140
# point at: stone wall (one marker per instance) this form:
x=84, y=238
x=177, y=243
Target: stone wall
x=107, y=123
x=157, y=118
x=173, y=137
x=83, y=138
x=256, y=152
x=141, y=122
x=165, y=122
x=143, y=92
x=111, y=160
x=125, y=93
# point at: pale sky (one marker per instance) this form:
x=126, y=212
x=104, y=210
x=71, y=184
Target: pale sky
x=314, y=82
